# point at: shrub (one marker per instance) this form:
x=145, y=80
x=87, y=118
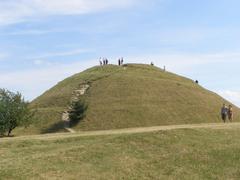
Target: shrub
x=77, y=112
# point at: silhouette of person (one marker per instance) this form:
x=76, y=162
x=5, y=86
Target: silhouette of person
x=224, y=113
x=230, y=113
x=119, y=62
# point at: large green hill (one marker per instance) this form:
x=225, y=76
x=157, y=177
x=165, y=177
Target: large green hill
x=129, y=96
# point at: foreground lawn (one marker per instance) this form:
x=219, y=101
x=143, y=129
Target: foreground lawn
x=177, y=154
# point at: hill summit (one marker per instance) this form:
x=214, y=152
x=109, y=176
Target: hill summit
x=132, y=95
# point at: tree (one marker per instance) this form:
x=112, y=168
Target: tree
x=3, y=120
x=77, y=112
x=14, y=111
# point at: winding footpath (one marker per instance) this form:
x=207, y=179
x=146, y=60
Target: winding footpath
x=123, y=131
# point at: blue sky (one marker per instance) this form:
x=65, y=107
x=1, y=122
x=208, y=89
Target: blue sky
x=42, y=41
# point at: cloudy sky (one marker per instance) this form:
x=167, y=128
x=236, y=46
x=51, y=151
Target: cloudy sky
x=44, y=41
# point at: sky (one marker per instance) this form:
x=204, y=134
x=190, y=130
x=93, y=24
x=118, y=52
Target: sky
x=44, y=41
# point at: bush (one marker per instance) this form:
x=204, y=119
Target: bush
x=77, y=112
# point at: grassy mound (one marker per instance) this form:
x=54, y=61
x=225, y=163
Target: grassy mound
x=129, y=96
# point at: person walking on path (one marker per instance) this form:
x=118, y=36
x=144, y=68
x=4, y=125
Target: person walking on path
x=224, y=113
x=230, y=113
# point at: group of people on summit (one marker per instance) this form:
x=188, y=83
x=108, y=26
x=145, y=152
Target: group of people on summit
x=104, y=61
x=227, y=113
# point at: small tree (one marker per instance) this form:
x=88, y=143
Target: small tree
x=77, y=112
x=14, y=111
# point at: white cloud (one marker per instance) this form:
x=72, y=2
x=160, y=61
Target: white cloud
x=39, y=62
x=178, y=62
x=60, y=54
x=14, y=11
x=3, y=56
x=33, y=32
x=232, y=96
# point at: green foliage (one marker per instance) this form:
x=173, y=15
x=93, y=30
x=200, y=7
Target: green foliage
x=14, y=111
x=77, y=112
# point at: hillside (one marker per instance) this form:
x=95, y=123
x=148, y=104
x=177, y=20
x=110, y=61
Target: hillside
x=129, y=96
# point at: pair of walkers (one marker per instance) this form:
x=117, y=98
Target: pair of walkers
x=227, y=113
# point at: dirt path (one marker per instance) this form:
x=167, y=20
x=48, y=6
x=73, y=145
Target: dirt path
x=124, y=131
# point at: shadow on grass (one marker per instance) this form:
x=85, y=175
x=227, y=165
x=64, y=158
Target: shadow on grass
x=5, y=136
x=54, y=128
x=77, y=113
x=75, y=122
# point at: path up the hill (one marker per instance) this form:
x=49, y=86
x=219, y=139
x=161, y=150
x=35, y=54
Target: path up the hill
x=124, y=131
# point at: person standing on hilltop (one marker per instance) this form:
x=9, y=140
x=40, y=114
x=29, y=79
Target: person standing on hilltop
x=122, y=61
x=119, y=62
x=224, y=113
x=230, y=113
x=104, y=61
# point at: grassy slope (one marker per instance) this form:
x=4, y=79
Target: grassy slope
x=177, y=154
x=138, y=95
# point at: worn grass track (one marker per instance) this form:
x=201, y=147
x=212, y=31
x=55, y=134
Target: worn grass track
x=53, y=136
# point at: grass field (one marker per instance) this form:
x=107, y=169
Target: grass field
x=175, y=154
x=130, y=96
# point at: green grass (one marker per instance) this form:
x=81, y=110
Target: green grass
x=47, y=122
x=131, y=96
x=177, y=154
